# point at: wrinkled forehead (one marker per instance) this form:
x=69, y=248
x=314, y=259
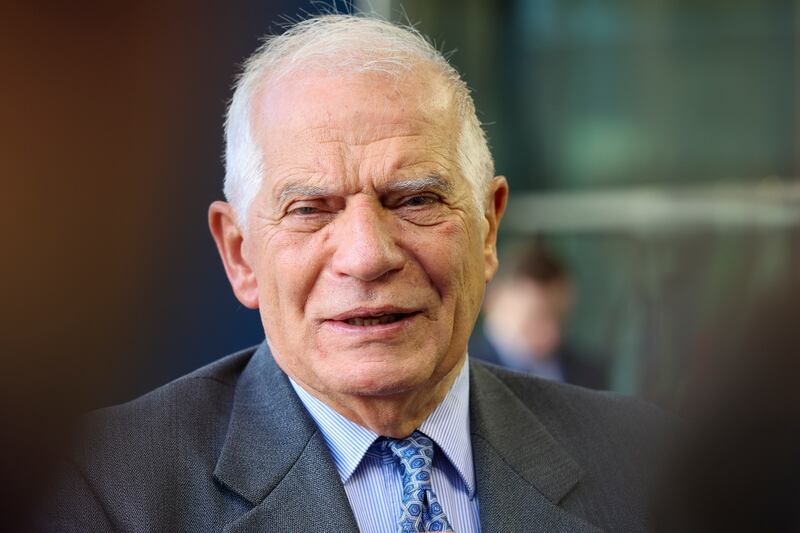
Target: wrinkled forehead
x=315, y=103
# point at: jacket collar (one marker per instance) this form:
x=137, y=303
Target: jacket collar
x=274, y=457
x=522, y=472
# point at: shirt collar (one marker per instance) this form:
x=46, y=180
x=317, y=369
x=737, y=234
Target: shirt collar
x=447, y=426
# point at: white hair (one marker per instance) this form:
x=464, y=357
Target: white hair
x=349, y=43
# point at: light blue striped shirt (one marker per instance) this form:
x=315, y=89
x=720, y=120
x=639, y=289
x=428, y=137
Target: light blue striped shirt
x=372, y=478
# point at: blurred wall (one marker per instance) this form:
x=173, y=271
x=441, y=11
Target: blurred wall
x=653, y=144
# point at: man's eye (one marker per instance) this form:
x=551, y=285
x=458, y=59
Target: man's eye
x=304, y=210
x=420, y=200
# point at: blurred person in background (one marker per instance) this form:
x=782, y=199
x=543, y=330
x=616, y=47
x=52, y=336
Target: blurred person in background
x=525, y=317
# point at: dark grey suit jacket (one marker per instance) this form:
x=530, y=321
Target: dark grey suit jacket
x=231, y=448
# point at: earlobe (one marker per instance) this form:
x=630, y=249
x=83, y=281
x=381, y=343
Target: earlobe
x=496, y=200
x=230, y=242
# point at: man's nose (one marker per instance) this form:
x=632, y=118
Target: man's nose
x=366, y=247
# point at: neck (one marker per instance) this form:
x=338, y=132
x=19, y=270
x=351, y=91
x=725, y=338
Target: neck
x=395, y=415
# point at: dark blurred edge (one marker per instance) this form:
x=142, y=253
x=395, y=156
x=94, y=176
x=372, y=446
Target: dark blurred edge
x=735, y=467
x=111, y=143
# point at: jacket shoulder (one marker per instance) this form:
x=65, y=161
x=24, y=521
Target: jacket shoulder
x=191, y=389
x=187, y=415
x=589, y=423
x=616, y=441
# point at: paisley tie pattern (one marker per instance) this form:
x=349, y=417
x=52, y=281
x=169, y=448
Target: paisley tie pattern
x=421, y=510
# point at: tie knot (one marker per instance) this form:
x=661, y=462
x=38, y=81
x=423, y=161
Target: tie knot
x=415, y=453
x=421, y=510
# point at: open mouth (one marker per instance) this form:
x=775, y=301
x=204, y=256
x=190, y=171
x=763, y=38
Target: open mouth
x=377, y=320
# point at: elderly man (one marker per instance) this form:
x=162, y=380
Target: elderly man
x=361, y=222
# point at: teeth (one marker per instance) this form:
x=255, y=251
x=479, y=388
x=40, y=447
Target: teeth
x=383, y=319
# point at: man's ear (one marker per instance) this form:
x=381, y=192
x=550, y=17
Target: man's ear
x=496, y=200
x=230, y=242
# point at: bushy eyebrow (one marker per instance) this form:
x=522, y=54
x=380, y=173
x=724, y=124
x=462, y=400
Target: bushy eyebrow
x=417, y=185
x=406, y=186
x=295, y=189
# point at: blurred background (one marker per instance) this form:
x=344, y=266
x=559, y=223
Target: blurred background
x=651, y=147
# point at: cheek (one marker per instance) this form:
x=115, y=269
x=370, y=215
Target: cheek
x=288, y=271
x=450, y=257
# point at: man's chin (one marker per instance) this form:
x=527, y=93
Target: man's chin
x=374, y=380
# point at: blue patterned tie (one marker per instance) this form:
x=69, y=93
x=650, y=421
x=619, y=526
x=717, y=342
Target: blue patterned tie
x=421, y=510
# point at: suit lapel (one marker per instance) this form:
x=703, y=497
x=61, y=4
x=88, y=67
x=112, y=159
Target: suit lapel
x=522, y=472
x=275, y=458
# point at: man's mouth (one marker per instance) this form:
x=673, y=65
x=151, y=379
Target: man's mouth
x=366, y=317
x=377, y=320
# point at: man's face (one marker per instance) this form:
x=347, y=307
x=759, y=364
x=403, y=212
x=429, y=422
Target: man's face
x=368, y=253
